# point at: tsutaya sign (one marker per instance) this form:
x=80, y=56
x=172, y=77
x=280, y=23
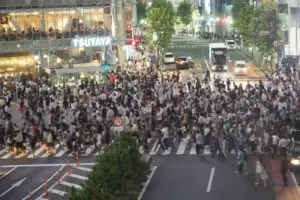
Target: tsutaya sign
x=91, y=42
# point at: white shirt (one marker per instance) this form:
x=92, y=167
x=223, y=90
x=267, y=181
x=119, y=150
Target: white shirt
x=275, y=139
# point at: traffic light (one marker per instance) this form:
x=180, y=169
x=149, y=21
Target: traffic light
x=222, y=20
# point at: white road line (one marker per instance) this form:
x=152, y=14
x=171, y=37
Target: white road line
x=167, y=151
x=182, y=146
x=37, y=152
x=79, y=177
x=10, y=171
x=42, y=185
x=207, y=150
x=47, y=165
x=70, y=184
x=193, y=149
x=59, y=192
x=7, y=155
x=153, y=148
x=47, y=154
x=212, y=173
x=6, y=149
x=22, y=154
x=61, y=153
x=84, y=169
x=295, y=182
x=89, y=150
x=147, y=183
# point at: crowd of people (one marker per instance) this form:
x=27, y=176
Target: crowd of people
x=33, y=33
x=207, y=111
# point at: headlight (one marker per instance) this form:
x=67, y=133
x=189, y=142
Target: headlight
x=225, y=67
x=213, y=67
x=295, y=162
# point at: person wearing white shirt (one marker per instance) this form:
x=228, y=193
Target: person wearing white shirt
x=275, y=140
x=283, y=145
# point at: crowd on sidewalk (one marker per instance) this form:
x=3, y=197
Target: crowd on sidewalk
x=257, y=118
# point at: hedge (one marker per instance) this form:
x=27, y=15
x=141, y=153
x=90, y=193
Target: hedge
x=118, y=174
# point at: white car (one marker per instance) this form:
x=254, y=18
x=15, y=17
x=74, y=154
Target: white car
x=230, y=44
x=240, y=67
x=169, y=58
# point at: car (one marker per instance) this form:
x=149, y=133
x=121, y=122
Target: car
x=240, y=67
x=230, y=44
x=184, y=62
x=169, y=58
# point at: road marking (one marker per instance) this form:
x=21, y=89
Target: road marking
x=47, y=154
x=147, y=183
x=295, y=182
x=167, y=151
x=6, y=149
x=193, y=149
x=153, y=148
x=70, y=184
x=55, y=184
x=17, y=184
x=61, y=153
x=55, y=191
x=10, y=171
x=84, y=169
x=37, y=152
x=89, y=150
x=79, y=177
x=47, y=165
x=38, y=188
x=7, y=155
x=212, y=173
x=181, y=147
x=207, y=150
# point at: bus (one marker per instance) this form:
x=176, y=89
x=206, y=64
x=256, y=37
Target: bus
x=218, y=56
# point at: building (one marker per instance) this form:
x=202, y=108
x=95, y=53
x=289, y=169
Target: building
x=62, y=34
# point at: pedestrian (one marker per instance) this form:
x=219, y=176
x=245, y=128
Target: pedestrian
x=260, y=172
x=200, y=144
x=241, y=158
x=284, y=166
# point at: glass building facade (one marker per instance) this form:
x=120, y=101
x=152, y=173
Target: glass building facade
x=59, y=34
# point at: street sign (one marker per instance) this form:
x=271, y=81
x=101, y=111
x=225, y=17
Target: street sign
x=118, y=121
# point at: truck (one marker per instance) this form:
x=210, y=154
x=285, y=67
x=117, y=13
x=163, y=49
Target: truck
x=218, y=56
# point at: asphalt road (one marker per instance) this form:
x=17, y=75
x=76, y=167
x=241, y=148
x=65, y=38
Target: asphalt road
x=189, y=177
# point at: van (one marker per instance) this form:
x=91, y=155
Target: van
x=230, y=44
x=240, y=68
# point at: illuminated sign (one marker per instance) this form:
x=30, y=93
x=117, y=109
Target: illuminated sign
x=91, y=42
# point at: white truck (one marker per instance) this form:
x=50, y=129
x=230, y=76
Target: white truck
x=218, y=56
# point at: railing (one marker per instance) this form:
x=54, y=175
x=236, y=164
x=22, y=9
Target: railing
x=33, y=45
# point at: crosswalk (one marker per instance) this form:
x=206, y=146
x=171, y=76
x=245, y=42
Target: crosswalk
x=43, y=152
x=173, y=46
x=184, y=147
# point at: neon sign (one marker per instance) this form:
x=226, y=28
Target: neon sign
x=91, y=42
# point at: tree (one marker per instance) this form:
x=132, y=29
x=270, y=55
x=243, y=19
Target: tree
x=141, y=12
x=185, y=12
x=160, y=20
x=117, y=175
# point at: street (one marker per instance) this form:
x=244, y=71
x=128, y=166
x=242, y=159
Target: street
x=189, y=177
x=179, y=174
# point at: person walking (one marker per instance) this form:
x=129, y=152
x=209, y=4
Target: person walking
x=241, y=159
x=284, y=166
x=200, y=144
x=261, y=172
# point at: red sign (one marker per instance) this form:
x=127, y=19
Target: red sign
x=118, y=121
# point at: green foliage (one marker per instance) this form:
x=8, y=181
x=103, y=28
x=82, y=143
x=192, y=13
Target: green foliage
x=251, y=21
x=141, y=12
x=160, y=19
x=117, y=175
x=185, y=12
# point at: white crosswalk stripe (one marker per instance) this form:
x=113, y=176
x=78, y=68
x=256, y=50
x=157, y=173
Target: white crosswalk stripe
x=183, y=148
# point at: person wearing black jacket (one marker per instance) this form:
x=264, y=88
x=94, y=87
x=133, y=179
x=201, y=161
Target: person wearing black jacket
x=284, y=166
